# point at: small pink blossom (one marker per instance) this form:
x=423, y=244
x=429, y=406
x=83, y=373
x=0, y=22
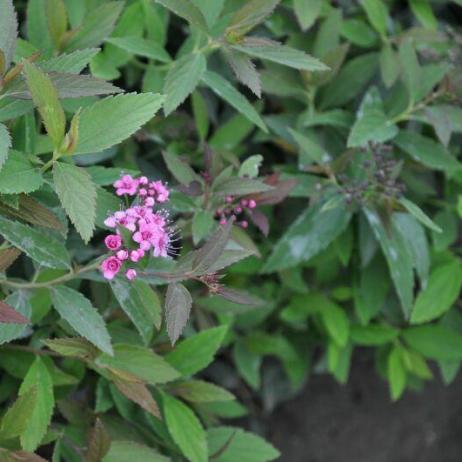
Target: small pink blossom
x=149, y=201
x=161, y=191
x=126, y=185
x=136, y=255
x=252, y=204
x=110, y=267
x=130, y=274
x=244, y=224
x=113, y=241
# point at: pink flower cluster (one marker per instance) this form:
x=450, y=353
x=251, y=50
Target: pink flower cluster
x=148, y=228
x=233, y=210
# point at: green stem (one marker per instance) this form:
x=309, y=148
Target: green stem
x=64, y=278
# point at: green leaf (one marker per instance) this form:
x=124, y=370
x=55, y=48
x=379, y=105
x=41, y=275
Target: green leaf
x=180, y=170
x=182, y=79
x=234, y=444
x=336, y=322
x=140, y=303
x=178, y=304
x=201, y=115
x=358, y=32
x=18, y=175
x=251, y=166
x=417, y=213
x=351, y=80
x=113, y=119
x=371, y=122
x=312, y=232
x=77, y=194
x=434, y=342
x=426, y=151
x=398, y=256
x=57, y=20
x=46, y=99
x=18, y=300
x=396, y=374
x=37, y=378
x=250, y=15
x=129, y=451
x=389, y=65
x=410, y=68
x=178, y=417
x=202, y=224
x=211, y=9
x=5, y=144
x=307, y=12
x=440, y=294
x=37, y=244
x=377, y=14
x=424, y=13
x=242, y=186
x=196, y=352
x=96, y=27
x=226, y=91
x=198, y=391
x=82, y=316
x=248, y=364
x=281, y=54
x=72, y=63
x=373, y=335
x=141, y=47
x=140, y=362
x=244, y=70
x=8, y=31
x=187, y=10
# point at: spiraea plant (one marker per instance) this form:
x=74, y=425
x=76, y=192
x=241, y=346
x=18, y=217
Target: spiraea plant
x=204, y=201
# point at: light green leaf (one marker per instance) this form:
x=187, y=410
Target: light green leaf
x=211, y=9
x=439, y=295
x=423, y=12
x=178, y=417
x=398, y=256
x=373, y=334
x=141, y=47
x=417, y=212
x=46, y=99
x=182, y=79
x=389, y=65
x=434, y=342
x=72, y=63
x=187, y=10
x=252, y=13
x=239, y=445
x=96, y=27
x=251, y=166
x=77, y=194
x=202, y=224
x=37, y=25
x=140, y=303
x=82, y=316
x=130, y=451
x=426, y=151
x=307, y=11
x=140, y=362
x=312, y=232
x=282, y=54
x=113, y=119
x=226, y=91
x=37, y=378
x=8, y=30
x=371, y=122
x=377, y=13
x=5, y=144
x=18, y=175
x=396, y=374
x=37, y=244
x=410, y=68
x=196, y=352
x=336, y=322
x=198, y=391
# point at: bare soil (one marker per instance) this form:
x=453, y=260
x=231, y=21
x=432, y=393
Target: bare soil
x=357, y=422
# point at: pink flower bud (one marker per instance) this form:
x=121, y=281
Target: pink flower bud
x=110, y=222
x=135, y=256
x=244, y=224
x=122, y=255
x=143, y=180
x=229, y=199
x=244, y=202
x=113, y=241
x=143, y=192
x=252, y=204
x=130, y=274
x=222, y=221
x=238, y=210
x=149, y=201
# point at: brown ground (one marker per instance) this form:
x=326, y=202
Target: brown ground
x=357, y=422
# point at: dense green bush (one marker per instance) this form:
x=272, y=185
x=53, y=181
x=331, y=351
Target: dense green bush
x=315, y=191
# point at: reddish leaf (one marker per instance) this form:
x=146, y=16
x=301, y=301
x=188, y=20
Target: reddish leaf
x=278, y=194
x=98, y=443
x=259, y=220
x=139, y=394
x=9, y=315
